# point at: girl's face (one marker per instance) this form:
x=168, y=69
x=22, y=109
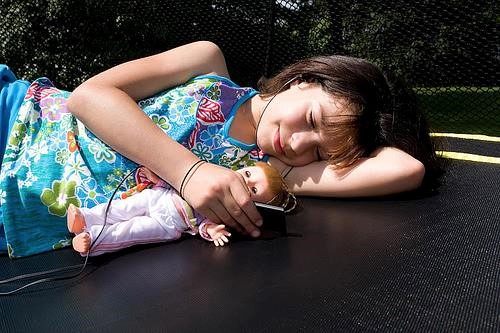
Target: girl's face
x=257, y=183
x=291, y=128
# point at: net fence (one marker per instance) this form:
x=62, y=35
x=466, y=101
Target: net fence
x=447, y=50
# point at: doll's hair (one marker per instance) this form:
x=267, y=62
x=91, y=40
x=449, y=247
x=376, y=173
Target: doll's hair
x=376, y=110
x=282, y=196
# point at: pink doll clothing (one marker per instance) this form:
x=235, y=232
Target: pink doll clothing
x=151, y=216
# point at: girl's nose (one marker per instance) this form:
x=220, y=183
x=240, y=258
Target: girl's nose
x=300, y=142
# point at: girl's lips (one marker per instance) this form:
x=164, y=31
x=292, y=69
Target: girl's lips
x=277, y=143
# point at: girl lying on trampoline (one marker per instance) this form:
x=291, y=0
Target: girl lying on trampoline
x=336, y=125
x=159, y=214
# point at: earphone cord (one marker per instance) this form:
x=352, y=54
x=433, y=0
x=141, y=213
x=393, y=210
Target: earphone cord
x=67, y=268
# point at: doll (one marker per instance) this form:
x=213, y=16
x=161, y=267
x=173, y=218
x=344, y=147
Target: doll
x=159, y=214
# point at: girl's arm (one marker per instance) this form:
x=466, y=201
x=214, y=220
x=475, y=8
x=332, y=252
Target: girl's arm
x=106, y=104
x=387, y=171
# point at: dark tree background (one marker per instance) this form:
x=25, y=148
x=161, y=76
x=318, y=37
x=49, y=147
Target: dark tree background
x=444, y=48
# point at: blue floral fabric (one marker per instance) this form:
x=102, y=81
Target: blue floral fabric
x=52, y=161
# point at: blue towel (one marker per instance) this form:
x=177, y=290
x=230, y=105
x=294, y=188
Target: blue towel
x=12, y=92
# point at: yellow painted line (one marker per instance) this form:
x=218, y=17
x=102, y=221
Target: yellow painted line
x=468, y=157
x=480, y=137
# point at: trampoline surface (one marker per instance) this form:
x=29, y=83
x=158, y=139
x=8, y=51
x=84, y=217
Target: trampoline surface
x=408, y=263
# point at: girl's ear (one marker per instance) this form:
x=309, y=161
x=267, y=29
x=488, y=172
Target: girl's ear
x=300, y=84
x=295, y=83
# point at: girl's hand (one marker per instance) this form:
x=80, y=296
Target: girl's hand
x=218, y=233
x=222, y=196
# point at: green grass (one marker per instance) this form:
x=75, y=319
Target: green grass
x=462, y=109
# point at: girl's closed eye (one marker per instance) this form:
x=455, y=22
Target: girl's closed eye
x=312, y=123
x=311, y=120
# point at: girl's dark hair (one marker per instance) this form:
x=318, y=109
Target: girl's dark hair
x=381, y=110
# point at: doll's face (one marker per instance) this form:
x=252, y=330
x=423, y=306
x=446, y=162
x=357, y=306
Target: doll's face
x=257, y=182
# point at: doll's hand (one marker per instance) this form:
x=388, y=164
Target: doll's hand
x=222, y=196
x=218, y=233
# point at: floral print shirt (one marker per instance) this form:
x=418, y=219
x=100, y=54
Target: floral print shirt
x=52, y=161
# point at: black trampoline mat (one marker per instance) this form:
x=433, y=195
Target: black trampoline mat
x=471, y=146
x=395, y=264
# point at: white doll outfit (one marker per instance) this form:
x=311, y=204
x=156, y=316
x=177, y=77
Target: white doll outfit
x=151, y=216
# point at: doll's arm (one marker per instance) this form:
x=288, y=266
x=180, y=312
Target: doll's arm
x=215, y=233
x=387, y=171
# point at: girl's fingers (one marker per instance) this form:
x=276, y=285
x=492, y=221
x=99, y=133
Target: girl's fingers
x=245, y=202
x=245, y=212
x=224, y=217
x=209, y=214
